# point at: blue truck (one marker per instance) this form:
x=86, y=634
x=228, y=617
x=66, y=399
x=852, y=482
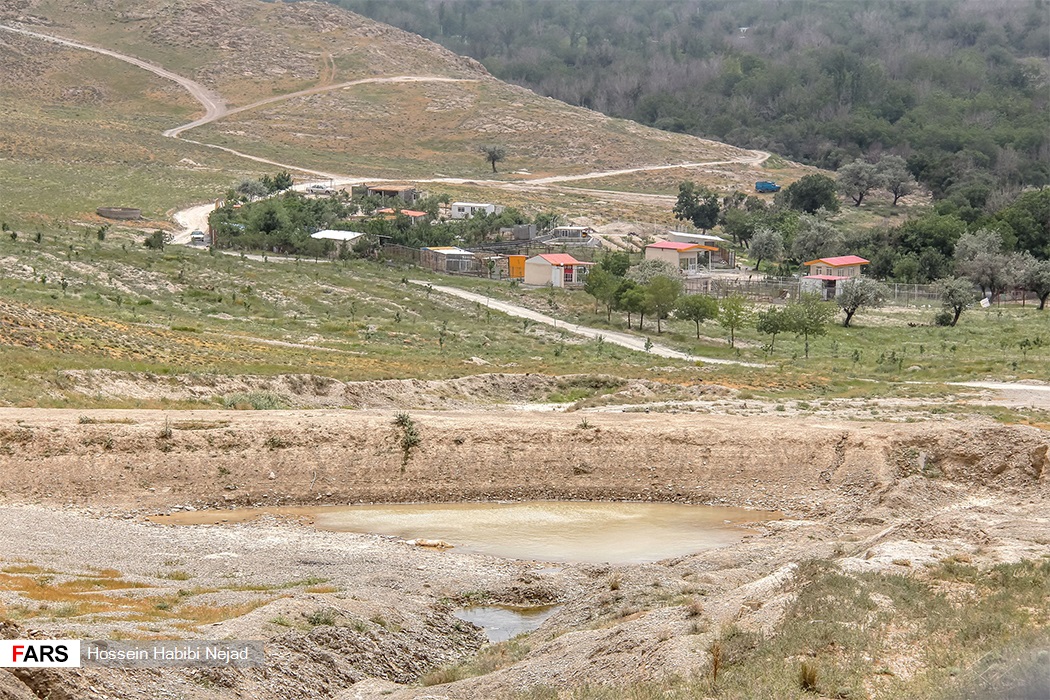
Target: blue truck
x=766, y=186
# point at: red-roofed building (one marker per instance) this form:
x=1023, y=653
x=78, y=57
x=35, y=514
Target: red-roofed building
x=825, y=274
x=687, y=257
x=555, y=269
x=391, y=213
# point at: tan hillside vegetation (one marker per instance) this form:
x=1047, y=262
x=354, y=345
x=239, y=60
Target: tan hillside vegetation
x=83, y=130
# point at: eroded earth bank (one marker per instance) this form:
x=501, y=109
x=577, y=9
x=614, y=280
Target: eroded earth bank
x=877, y=516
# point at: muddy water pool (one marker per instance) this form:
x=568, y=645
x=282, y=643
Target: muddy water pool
x=554, y=531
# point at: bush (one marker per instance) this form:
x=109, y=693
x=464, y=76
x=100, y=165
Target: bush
x=943, y=318
x=256, y=400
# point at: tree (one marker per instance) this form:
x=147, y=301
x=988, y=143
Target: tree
x=811, y=193
x=815, y=238
x=602, y=285
x=767, y=244
x=733, y=313
x=547, y=220
x=979, y=257
x=251, y=189
x=494, y=154
x=616, y=262
x=740, y=225
x=771, y=322
x=635, y=300
x=857, y=293
x=956, y=295
x=808, y=316
x=857, y=179
x=644, y=272
x=894, y=176
x=277, y=183
x=155, y=241
x=697, y=205
x=663, y=292
x=1035, y=277
x=696, y=308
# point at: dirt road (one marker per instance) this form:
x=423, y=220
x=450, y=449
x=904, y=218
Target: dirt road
x=214, y=108
x=623, y=339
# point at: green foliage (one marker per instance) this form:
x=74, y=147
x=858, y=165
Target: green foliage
x=957, y=294
x=857, y=293
x=410, y=437
x=697, y=205
x=256, y=400
x=810, y=193
x=958, y=86
x=155, y=241
x=697, y=308
x=767, y=244
x=814, y=238
x=857, y=179
x=772, y=322
x=602, y=285
x=808, y=316
x=615, y=262
x=663, y=292
x=734, y=313
x=494, y=154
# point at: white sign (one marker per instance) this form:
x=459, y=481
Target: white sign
x=985, y=303
x=39, y=653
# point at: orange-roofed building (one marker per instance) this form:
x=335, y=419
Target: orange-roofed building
x=826, y=274
x=416, y=216
x=555, y=269
x=687, y=257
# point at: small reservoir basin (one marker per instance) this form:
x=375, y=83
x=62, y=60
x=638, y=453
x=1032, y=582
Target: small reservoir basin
x=553, y=531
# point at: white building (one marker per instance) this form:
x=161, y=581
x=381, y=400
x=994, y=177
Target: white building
x=465, y=210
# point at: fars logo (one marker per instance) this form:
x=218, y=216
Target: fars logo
x=39, y=653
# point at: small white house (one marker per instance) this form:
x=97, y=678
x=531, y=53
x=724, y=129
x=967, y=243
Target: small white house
x=555, y=269
x=465, y=210
x=687, y=257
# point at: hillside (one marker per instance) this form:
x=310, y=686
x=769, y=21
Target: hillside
x=958, y=88
x=307, y=85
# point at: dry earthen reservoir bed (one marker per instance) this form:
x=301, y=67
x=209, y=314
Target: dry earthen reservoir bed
x=871, y=496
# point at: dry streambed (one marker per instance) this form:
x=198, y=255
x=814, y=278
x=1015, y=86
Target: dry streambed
x=343, y=609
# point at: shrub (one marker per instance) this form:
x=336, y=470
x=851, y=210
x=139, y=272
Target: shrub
x=255, y=400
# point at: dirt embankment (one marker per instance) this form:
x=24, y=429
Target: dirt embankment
x=156, y=460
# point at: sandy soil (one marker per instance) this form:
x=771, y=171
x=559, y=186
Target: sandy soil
x=872, y=496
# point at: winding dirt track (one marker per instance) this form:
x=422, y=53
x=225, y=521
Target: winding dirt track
x=215, y=109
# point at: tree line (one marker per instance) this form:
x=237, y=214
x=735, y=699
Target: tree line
x=956, y=89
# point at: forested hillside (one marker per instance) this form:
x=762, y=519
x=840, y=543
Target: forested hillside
x=959, y=88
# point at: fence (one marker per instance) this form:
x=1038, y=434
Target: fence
x=777, y=288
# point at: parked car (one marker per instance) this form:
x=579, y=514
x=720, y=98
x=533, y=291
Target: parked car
x=319, y=189
x=766, y=186
x=197, y=237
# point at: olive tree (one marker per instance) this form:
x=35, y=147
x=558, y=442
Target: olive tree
x=766, y=244
x=894, y=177
x=957, y=293
x=494, y=154
x=857, y=179
x=857, y=293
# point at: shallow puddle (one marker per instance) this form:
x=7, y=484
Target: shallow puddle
x=502, y=623
x=554, y=531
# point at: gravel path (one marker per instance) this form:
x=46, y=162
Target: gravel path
x=626, y=340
